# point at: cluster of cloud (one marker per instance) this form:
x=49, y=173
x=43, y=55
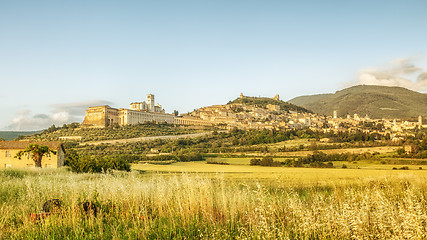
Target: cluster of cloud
x=60, y=114
x=399, y=73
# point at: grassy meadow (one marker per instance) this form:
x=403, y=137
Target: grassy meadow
x=196, y=200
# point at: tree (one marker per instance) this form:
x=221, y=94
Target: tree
x=400, y=151
x=175, y=112
x=36, y=152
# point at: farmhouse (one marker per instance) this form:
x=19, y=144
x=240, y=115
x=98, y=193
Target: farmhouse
x=9, y=149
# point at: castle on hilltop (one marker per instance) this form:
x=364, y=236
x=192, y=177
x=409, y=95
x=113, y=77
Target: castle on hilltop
x=276, y=97
x=139, y=112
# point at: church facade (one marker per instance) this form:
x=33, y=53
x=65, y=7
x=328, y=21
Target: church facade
x=139, y=112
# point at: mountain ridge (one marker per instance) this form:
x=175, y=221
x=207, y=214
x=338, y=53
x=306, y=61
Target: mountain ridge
x=372, y=100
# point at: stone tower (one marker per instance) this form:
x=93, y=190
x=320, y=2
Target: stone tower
x=420, y=120
x=276, y=97
x=150, y=102
x=335, y=114
x=241, y=95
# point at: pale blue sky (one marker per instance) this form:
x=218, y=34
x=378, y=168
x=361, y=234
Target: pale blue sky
x=58, y=57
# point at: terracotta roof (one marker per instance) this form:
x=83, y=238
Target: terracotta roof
x=23, y=144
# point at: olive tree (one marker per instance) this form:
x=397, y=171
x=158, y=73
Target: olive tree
x=37, y=152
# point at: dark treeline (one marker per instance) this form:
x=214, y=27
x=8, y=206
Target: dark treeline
x=323, y=157
x=266, y=161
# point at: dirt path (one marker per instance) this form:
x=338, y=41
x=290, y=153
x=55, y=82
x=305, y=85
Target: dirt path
x=141, y=139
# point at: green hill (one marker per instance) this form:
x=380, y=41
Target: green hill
x=11, y=135
x=262, y=102
x=114, y=132
x=374, y=101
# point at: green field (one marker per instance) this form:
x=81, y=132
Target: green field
x=239, y=168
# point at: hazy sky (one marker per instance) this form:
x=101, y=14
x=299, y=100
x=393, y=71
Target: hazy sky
x=59, y=57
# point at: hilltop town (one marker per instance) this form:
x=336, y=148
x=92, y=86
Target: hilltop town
x=246, y=113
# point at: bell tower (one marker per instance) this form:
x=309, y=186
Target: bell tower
x=150, y=102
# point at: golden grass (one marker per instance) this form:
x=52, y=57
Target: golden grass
x=198, y=206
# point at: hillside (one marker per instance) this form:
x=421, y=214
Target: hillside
x=111, y=133
x=11, y=135
x=374, y=101
x=262, y=102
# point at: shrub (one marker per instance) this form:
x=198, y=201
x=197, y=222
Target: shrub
x=165, y=162
x=322, y=165
x=400, y=151
x=255, y=161
x=190, y=157
x=215, y=161
x=97, y=164
x=266, y=161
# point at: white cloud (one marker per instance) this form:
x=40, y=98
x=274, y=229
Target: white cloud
x=400, y=73
x=60, y=114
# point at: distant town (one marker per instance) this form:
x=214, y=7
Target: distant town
x=247, y=116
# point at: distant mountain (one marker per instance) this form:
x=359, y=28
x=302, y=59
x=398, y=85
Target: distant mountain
x=374, y=101
x=11, y=135
x=262, y=102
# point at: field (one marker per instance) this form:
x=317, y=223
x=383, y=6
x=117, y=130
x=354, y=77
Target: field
x=381, y=150
x=239, y=168
x=205, y=201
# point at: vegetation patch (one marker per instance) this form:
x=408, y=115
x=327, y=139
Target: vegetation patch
x=262, y=102
x=165, y=162
x=266, y=161
x=216, y=161
x=147, y=129
x=96, y=164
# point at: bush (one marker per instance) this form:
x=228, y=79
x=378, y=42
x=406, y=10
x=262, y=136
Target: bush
x=165, y=162
x=215, y=161
x=190, y=157
x=266, y=161
x=400, y=151
x=97, y=164
x=255, y=161
x=322, y=165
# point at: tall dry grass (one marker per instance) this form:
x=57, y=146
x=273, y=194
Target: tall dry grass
x=139, y=206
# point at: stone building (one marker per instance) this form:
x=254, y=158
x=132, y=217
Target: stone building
x=193, y=121
x=130, y=117
x=101, y=116
x=148, y=106
x=139, y=112
x=9, y=149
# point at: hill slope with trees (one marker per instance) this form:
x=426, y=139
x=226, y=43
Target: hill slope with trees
x=374, y=101
x=262, y=102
